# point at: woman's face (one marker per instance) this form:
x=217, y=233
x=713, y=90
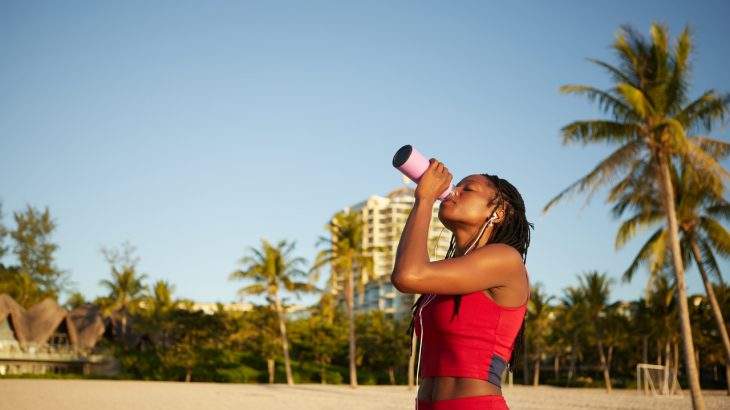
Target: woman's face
x=470, y=204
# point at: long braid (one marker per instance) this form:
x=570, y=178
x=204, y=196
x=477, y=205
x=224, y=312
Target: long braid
x=514, y=231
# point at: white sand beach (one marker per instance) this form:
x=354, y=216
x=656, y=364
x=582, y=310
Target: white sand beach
x=35, y=394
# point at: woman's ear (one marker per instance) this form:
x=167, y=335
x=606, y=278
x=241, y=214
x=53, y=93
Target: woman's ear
x=501, y=212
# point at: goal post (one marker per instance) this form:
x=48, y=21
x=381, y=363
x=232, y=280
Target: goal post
x=657, y=380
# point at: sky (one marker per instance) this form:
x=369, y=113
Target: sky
x=195, y=129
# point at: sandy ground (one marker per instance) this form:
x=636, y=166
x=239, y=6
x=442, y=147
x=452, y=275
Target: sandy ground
x=20, y=394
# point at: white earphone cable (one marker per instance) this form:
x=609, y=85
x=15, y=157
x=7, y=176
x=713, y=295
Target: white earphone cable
x=430, y=298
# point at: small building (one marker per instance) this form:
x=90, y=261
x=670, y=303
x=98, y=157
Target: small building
x=48, y=338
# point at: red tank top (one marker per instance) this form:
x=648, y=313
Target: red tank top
x=475, y=343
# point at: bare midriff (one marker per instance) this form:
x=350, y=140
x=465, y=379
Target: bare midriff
x=448, y=387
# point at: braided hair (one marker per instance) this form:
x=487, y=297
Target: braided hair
x=514, y=231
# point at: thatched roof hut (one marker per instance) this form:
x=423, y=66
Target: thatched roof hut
x=84, y=325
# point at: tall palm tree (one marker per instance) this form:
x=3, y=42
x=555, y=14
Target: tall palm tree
x=272, y=269
x=701, y=232
x=596, y=288
x=572, y=314
x=651, y=122
x=344, y=253
x=126, y=287
x=538, y=326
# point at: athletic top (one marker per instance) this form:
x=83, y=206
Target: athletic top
x=476, y=343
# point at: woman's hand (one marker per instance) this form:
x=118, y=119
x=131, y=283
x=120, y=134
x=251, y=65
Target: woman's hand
x=434, y=181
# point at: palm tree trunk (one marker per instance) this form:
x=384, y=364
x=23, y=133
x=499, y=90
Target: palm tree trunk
x=645, y=349
x=610, y=357
x=604, y=367
x=571, y=369
x=698, y=402
x=284, y=341
x=351, y=320
x=270, y=366
x=556, y=366
x=675, y=365
x=391, y=374
x=716, y=311
x=667, y=364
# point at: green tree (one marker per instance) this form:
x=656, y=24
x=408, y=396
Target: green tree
x=35, y=251
x=596, y=290
x=384, y=342
x=3, y=233
x=702, y=234
x=196, y=345
x=662, y=299
x=75, y=300
x=571, y=314
x=126, y=286
x=258, y=335
x=344, y=253
x=319, y=339
x=651, y=121
x=272, y=269
x=537, y=329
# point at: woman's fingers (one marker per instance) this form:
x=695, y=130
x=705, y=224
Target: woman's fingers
x=438, y=165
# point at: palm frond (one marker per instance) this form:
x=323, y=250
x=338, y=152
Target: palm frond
x=631, y=226
x=592, y=131
x=708, y=257
x=635, y=99
x=606, y=101
x=642, y=257
x=604, y=171
x=706, y=110
x=716, y=234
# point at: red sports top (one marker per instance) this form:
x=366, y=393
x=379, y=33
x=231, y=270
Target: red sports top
x=476, y=343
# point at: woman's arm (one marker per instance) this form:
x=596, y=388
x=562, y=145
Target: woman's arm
x=412, y=253
x=486, y=267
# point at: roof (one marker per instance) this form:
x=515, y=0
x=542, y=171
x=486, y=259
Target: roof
x=38, y=323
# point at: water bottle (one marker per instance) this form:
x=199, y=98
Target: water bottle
x=413, y=164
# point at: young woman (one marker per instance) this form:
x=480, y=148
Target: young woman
x=470, y=315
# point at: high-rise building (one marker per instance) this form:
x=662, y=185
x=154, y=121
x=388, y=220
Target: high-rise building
x=383, y=221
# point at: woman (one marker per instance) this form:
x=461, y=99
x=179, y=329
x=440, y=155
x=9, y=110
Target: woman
x=472, y=306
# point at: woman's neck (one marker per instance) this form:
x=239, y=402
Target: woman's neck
x=464, y=239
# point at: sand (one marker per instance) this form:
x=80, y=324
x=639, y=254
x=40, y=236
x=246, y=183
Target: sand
x=21, y=394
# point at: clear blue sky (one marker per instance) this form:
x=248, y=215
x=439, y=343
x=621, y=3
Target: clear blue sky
x=192, y=129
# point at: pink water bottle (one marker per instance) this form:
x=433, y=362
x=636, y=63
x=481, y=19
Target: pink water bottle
x=413, y=164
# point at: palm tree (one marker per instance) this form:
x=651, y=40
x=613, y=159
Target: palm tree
x=700, y=230
x=651, y=120
x=344, y=253
x=75, y=300
x=158, y=305
x=572, y=314
x=595, y=289
x=538, y=327
x=272, y=269
x=126, y=287
x=661, y=297
x=161, y=301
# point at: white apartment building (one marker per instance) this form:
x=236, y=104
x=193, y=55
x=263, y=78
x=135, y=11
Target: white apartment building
x=384, y=219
